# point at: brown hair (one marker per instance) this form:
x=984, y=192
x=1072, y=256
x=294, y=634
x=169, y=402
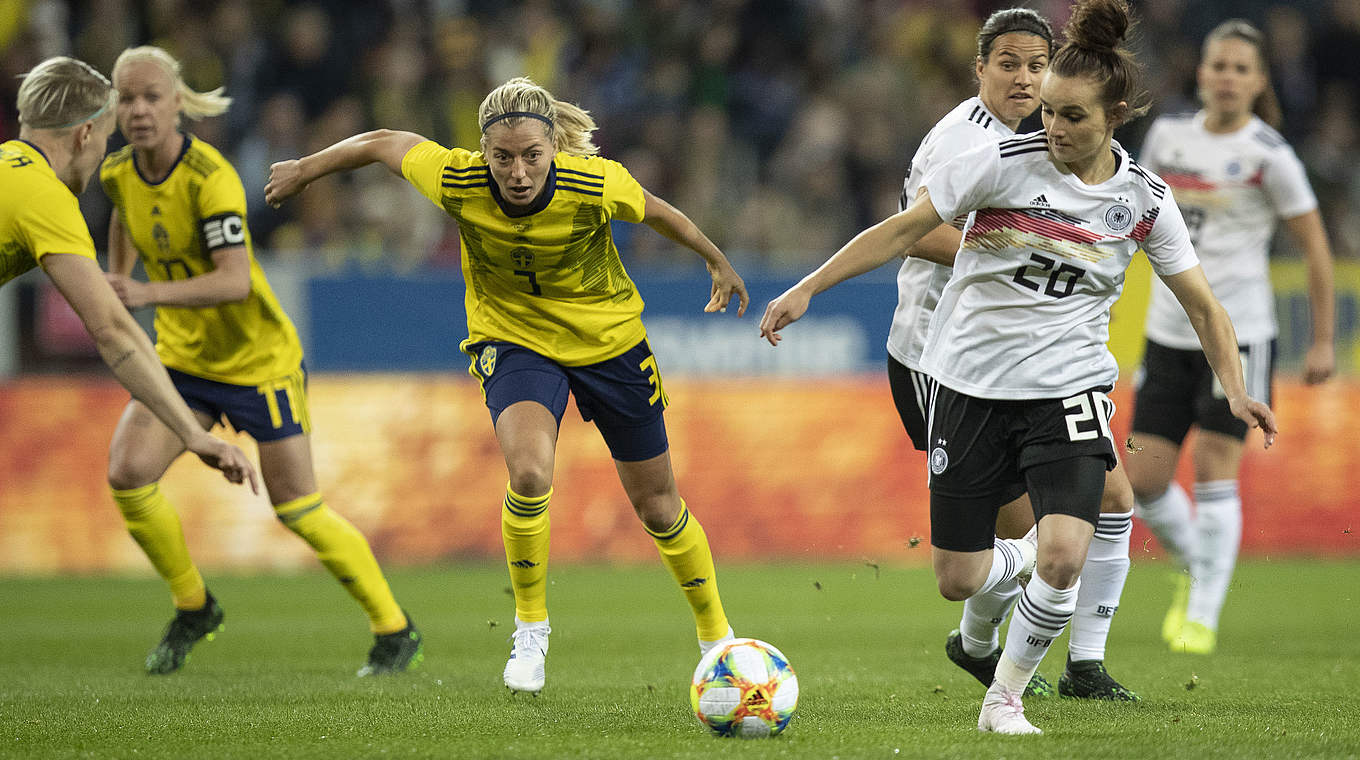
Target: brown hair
x=1012, y=20
x=1267, y=105
x=1093, y=50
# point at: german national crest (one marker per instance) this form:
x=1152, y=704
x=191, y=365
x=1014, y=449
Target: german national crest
x=939, y=460
x=1118, y=217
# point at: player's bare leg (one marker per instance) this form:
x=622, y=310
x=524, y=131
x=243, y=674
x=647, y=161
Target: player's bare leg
x=527, y=433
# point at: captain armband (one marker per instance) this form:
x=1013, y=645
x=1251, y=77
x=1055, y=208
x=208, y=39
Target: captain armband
x=224, y=231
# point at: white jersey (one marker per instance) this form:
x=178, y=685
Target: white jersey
x=919, y=281
x=1231, y=189
x=1026, y=313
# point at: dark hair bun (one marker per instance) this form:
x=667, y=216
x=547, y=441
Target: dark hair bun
x=1098, y=25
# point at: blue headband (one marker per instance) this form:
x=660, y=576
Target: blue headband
x=91, y=117
x=517, y=114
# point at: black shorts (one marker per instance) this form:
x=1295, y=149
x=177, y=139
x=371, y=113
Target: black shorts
x=911, y=392
x=982, y=452
x=1176, y=389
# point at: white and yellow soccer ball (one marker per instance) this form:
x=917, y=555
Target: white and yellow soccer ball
x=744, y=688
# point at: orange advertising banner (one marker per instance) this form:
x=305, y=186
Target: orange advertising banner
x=774, y=468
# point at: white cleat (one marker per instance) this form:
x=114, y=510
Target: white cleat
x=525, y=669
x=1029, y=553
x=705, y=646
x=1003, y=713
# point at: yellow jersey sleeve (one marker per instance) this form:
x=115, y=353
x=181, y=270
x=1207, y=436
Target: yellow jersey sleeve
x=38, y=214
x=423, y=166
x=222, y=193
x=623, y=198
x=221, y=209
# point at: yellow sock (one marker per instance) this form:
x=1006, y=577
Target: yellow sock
x=524, y=529
x=345, y=552
x=155, y=526
x=684, y=549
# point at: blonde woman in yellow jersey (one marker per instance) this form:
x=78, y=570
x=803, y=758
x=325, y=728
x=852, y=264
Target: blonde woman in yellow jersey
x=552, y=312
x=65, y=117
x=231, y=351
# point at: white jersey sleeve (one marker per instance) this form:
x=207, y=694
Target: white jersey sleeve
x=1285, y=182
x=919, y=282
x=966, y=182
x=1167, y=244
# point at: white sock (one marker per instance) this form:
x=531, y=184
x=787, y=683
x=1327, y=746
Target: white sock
x=983, y=614
x=1168, y=517
x=1102, y=583
x=1040, y=617
x=1007, y=562
x=1218, y=523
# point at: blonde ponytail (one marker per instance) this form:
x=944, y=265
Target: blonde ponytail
x=194, y=104
x=569, y=126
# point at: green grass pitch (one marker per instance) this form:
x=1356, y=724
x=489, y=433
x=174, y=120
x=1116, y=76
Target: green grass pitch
x=867, y=644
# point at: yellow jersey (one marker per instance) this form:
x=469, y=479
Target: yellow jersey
x=550, y=279
x=176, y=225
x=38, y=214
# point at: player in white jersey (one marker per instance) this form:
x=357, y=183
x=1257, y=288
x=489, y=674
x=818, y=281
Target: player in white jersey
x=1233, y=177
x=1014, y=46
x=1017, y=342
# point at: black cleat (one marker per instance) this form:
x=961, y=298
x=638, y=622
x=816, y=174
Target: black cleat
x=1087, y=679
x=186, y=629
x=984, y=668
x=395, y=652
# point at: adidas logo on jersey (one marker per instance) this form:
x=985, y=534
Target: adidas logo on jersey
x=1039, y=201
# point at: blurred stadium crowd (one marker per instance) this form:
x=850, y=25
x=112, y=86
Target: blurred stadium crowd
x=781, y=126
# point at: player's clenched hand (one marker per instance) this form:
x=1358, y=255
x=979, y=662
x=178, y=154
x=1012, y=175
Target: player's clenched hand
x=726, y=283
x=782, y=312
x=1255, y=414
x=132, y=293
x=285, y=181
x=1319, y=363
x=223, y=456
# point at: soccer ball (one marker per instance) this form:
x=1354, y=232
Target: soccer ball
x=745, y=688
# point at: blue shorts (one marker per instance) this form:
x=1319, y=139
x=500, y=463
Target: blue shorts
x=623, y=395
x=268, y=412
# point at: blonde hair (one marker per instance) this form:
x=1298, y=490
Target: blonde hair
x=569, y=125
x=193, y=104
x=63, y=92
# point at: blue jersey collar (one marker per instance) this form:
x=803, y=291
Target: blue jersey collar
x=39, y=150
x=182, y=151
